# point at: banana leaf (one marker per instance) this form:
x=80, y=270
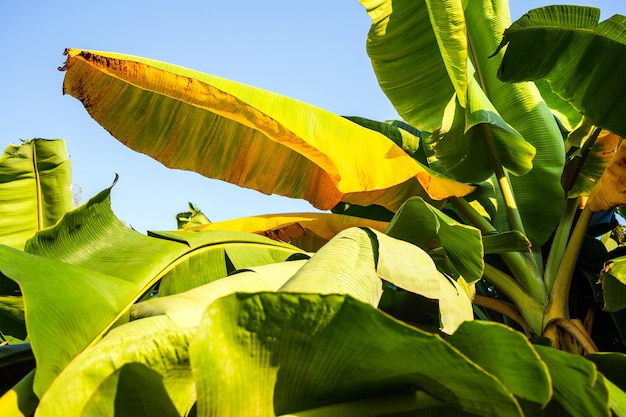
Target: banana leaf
x=193, y=217
x=229, y=131
x=418, y=53
x=214, y=254
x=490, y=345
x=12, y=323
x=278, y=353
x=403, y=49
x=407, y=139
x=68, y=308
x=599, y=158
x=578, y=387
x=505, y=242
x=613, y=279
x=308, y=231
x=567, y=115
x=582, y=60
x=356, y=260
x=461, y=145
x=287, y=353
x=243, y=339
x=92, y=237
x=35, y=188
x=522, y=106
x=425, y=226
x=161, y=329
x=142, y=369
x=610, y=191
x=185, y=309
x=612, y=365
x=92, y=269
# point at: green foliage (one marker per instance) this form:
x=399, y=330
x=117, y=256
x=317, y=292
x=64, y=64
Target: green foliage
x=35, y=181
x=481, y=185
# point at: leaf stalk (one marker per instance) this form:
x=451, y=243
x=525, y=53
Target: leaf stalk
x=529, y=307
x=522, y=267
x=559, y=296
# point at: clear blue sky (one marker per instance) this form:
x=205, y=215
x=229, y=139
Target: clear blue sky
x=311, y=51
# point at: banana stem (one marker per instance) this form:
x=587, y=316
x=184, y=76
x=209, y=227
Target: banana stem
x=559, y=242
x=504, y=308
x=513, y=215
x=559, y=296
x=522, y=267
x=577, y=332
x=529, y=307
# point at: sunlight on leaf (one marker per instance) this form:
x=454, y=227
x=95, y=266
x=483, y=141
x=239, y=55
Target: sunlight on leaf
x=194, y=121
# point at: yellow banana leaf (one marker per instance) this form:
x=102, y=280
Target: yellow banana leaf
x=599, y=158
x=308, y=231
x=246, y=136
x=610, y=191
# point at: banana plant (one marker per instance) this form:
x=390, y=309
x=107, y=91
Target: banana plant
x=581, y=69
x=477, y=187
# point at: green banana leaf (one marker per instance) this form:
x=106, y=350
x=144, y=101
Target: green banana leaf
x=582, y=60
x=402, y=44
x=214, y=254
x=355, y=261
x=462, y=148
x=193, y=217
x=244, y=338
x=278, y=353
x=160, y=330
x=92, y=268
x=612, y=365
x=413, y=45
x=613, y=280
x=505, y=242
x=425, y=226
x=578, y=387
x=567, y=115
x=617, y=399
x=490, y=345
x=68, y=307
x=185, y=309
x=92, y=237
x=286, y=353
x=580, y=134
x=140, y=369
x=35, y=188
x=12, y=322
x=522, y=106
x=225, y=130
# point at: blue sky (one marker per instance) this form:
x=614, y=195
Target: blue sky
x=311, y=51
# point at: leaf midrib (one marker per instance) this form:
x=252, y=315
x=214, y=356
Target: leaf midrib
x=38, y=191
x=158, y=276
